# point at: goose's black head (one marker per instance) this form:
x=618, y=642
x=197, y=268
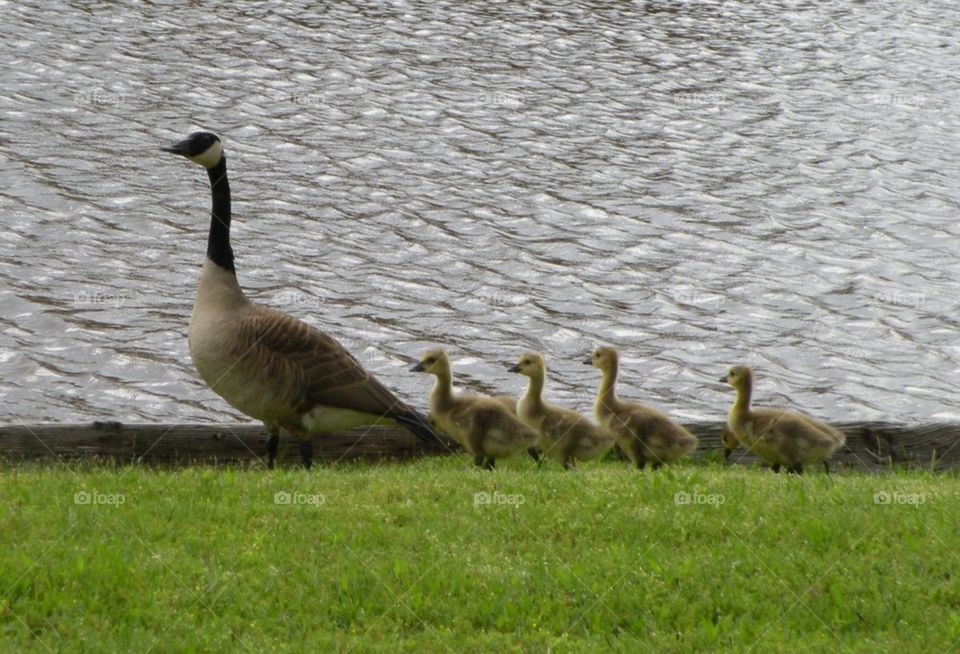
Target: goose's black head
x=203, y=148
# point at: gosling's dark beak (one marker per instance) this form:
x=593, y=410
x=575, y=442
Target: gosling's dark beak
x=588, y=361
x=182, y=148
x=726, y=453
x=514, y=368
x=723, y=379
x=418, y=367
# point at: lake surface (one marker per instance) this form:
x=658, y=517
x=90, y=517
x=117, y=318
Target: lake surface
x=699, y=184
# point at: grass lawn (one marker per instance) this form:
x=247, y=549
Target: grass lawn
x=435, y=556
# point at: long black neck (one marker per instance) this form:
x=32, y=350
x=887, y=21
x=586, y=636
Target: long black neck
x=218, y=243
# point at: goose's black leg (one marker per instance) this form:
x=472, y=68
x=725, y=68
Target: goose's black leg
x=272, y=443
x=826, y=467
x=306, y=452
x=796, y=469
x=641, y=462
x=534, y=454
x=490, y=464
x=656, y=465
x=479, y=460
x=775, y=467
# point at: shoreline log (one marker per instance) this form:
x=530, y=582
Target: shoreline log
x=869, y=446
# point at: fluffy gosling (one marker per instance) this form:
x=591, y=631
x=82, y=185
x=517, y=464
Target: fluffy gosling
x=484, y=426
x=564, y=433
x=644, y=433
x=782, y=438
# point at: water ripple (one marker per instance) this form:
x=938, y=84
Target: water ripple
x=698, y=184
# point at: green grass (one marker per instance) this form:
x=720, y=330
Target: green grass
x=398, y=557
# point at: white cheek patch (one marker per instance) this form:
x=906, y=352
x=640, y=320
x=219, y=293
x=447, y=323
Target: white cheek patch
x=209, y=157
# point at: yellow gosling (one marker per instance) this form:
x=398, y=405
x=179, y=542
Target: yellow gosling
x=642, y=432
x=509, y=401
x=782, y=438
x=564, y=433
x=484, y=426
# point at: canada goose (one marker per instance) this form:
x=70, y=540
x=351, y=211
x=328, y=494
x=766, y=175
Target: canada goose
x=641, y=431
x=564, y=433
x=484, y=426
x=782, y=438
x=265, y=363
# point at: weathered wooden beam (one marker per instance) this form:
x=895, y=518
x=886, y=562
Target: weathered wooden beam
x=870, y=445
x=198, y=443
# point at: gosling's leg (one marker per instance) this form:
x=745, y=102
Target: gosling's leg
x=272, y=442
x=306, y=452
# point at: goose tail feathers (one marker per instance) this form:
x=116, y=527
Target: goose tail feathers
x=418, y=425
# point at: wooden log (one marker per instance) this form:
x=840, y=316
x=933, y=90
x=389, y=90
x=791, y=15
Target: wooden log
x=870, y=445
x=199, y=443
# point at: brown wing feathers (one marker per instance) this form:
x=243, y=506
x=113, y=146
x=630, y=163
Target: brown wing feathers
x=316, y=368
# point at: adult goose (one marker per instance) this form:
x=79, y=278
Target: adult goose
x=265, y=363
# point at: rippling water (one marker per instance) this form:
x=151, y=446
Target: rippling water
x=699, y=184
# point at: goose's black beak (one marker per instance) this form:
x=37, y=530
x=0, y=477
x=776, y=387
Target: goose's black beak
x=418, y=367
x=182, y=148
x=514, y=368
x=726, y=453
